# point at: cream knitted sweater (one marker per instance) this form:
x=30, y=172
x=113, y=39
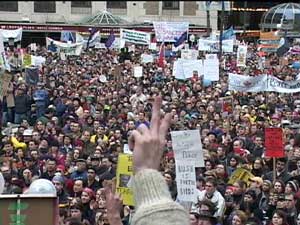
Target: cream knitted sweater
x=154, y=205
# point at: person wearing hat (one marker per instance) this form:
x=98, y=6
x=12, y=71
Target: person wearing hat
x=58, y=181
x=92, y=183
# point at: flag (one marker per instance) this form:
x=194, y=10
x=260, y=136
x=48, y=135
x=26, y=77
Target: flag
x=110, y=40
x=284, y=47
x=67, y=36
x=161, y=58
x=93, y=31
x=228, y=34
x=180, y=40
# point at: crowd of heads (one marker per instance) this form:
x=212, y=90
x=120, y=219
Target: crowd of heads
x=73, y=124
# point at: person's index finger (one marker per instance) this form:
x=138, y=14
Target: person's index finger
x=155, y=118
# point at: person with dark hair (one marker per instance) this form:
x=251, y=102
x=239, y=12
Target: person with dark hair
x=170, y=180
x=281, y=171
x=212, y=194
x=278, y=218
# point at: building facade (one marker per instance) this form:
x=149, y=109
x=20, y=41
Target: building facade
x=69, y=12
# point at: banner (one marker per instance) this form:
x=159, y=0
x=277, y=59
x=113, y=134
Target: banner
x=184, y=68
x=246, y=83
x=124, y=175
x=186, y=181
x=214, y=45
x=169, y=31
x=274, y=142
x=241, y=56
x=133, y=36
x=227, y=105
x=277, y=85
x=16, y=34
x=67, y=48
x=187, y=146
x=211, y=69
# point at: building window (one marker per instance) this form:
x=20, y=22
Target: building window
x=45, y=7
x=116, y=4
x=81, y=4
x=174, y=5
x=9, y=6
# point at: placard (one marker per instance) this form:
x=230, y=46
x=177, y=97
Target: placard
x=211, y=69
x=133, y=36
x=138, y=71
x=28, y=209
x=187, y=146
x=189, y=54
x=274, y=142
x=186, y=181
x=147, y=58
x=124, y=175
x=126, y=149
x=241, y=56
x=169, y=31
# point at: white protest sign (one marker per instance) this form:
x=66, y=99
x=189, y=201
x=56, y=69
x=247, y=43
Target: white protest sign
x=241, y=55
x=211, y=69
x=214, y=45
x=189, y=66
x=126, y=149
x=1, y=45
x=147, y=58
x=33, y=47
x=178, y=72
x=153, y=46
x=189, y=54
x=137, y=37
x=168, y=31
x=187, y=146
x=138, y=71
x=15, y=34
x=62, y=56
x=211, y=56
x=186, y=181
x=38, y=60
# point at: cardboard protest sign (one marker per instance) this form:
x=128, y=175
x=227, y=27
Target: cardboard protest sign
x=28, y=209
x=240, y=174
x=147, y=58
x=27, y=60
x=138, y=71
x=124, y=174
x=211, y=69
x=242, y=55
x=187, y=146
x=227, y=105
x=4, y=82
x=274, y=142
x=186, y=181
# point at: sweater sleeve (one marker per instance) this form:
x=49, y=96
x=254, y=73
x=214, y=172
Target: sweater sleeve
x=154, y=204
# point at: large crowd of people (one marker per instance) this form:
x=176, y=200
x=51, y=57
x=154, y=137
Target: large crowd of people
x=71, y=126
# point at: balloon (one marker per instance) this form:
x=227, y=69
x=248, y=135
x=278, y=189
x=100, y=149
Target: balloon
x=296, y=65
x=41, y=186
x=206, y=83
x=2, y=182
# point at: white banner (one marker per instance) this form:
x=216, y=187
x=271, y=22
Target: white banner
x=246, y=83
x=241, y=55
x=186, y=181
x=189, y=54
x=184, y=68
x=187, y=146
x=214, y=45
x=168, y=31
x=16, y=34
x=67, y=48
x=211, y=69
x=277, y=85
x=37, y=60
x=133, y=36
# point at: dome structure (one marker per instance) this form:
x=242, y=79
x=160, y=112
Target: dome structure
x=283, y=16
x=103, y=18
